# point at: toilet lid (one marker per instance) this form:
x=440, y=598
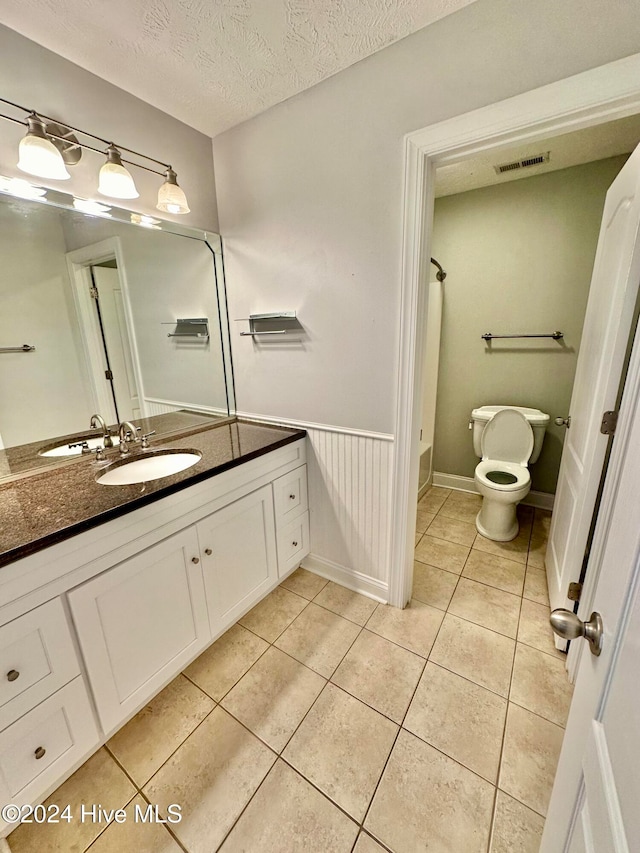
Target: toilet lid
x=507, y=438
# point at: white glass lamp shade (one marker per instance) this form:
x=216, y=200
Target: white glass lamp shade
x=38, y=155
x=114, y=180
x=171, y=198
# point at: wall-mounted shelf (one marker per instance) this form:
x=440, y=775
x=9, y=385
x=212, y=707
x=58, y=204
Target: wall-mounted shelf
x=276, y=323
x=197, y=327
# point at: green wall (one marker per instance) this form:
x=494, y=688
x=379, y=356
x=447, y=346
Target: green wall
x=519, y=258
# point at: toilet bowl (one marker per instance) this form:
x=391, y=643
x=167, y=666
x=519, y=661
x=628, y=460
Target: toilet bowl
x=502, y=477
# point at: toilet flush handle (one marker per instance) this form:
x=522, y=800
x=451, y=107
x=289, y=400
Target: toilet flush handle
x=563, y=422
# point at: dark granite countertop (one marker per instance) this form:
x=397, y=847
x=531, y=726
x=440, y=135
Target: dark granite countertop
x=53, y=505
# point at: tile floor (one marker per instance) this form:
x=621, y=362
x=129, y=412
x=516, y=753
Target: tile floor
x=325, y=722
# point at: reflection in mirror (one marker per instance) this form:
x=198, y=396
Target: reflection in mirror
x=104, y=305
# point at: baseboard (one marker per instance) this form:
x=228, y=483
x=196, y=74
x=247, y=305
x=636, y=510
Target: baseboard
x=378, y=590
x=539, y=500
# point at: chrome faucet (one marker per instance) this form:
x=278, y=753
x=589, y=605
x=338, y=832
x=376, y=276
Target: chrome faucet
x=128, y=433
x=98, y=421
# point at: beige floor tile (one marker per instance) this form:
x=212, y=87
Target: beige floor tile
x=135, y=834
x=99, y=780
x=514, y=550
x=504, y=574
x=381, y=674
x=433, y=586
x=476, y=653
x=288, y=815
x=273, y=614
x=304, y=583
x=319, y=639
x=453, y=530
x=462, y=506
x=529, y=758
x=366, y=844
x=213, y=775
x=487, y=606
x=417, y=775
x=516, y=829
x=226, y=661
x=535, y=586
x=145, y=743
x=541, y=523
x=273, y=697
x=525, y=517
x=418, y=538
x=459, y=718
x=537, y=551
x=432, y=500
x=341, y=747
x=444, y=555
x=353, y=606
x=414, y=628
x=540, y=684
x=423, y=519
x=535, y=630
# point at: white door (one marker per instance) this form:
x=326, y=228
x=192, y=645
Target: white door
x=612, y=297
x=116, y=336
x=594, y=804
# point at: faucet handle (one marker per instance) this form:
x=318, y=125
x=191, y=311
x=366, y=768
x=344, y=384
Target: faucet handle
x=145, y=439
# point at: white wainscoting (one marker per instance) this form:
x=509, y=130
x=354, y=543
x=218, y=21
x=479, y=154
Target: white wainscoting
x=350, y=484
x=540, y=500
x=156, y=406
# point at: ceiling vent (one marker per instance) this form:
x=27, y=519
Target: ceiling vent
x=525, y=163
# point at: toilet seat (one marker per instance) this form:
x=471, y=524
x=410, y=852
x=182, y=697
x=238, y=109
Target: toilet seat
x=507, y=437
x=487, y=466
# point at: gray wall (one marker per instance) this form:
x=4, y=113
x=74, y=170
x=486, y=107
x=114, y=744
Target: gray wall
x=310, y=194
x=39, y=79
x=519, y=258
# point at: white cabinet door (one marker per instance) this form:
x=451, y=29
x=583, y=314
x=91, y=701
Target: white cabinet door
x=239, y=555
x=139, y=622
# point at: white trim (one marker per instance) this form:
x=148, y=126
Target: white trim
x=356, y=581
x=592, y=97
x=176, y=404
x=539, y=500
x=363, y=433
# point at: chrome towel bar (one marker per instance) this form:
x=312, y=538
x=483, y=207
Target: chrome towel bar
x=555, y=335
x=23, y=348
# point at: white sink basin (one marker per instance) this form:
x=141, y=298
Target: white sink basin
x=66, y=450
x=153, y=466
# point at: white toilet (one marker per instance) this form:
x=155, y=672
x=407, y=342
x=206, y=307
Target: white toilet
x=508, y=438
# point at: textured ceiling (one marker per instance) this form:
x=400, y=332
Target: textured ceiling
x=215, y=63
x=569, y=149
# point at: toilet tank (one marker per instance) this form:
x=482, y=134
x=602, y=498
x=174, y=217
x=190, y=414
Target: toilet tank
x=537, y=420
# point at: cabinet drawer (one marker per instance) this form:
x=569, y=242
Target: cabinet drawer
x=37, y=657
x=290, y=495
x=44, y=744
x=293, y=543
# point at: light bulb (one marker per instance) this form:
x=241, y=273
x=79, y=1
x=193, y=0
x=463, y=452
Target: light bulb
x=171, y=198
x=38, y=155
x=114, y=180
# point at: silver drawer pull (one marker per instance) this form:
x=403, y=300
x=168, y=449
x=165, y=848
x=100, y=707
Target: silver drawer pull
x=208, y=552
x=39, y=753
x=12, y=675
x=195, y=560
x=295, y=544
x=292, y=497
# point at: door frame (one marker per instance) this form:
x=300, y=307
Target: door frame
x=593, y=97
x=79, y=262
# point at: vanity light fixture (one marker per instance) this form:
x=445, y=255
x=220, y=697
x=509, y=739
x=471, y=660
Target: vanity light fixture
x=49, y=147
x=20, y=188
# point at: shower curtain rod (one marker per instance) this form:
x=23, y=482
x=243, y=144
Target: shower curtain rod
x=441, y=274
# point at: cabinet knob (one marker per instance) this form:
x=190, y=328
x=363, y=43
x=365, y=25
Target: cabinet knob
x=292, y=497
x=39, y=753
x=195, y=560
x=208, y=552
x=295, y=544
x=12, y=675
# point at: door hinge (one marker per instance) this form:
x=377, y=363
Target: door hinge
x=93, y=292
x=609, y=423
x=108, y=374
x=575, y=591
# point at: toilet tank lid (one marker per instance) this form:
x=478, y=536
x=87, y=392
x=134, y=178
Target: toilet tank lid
x=533, y=416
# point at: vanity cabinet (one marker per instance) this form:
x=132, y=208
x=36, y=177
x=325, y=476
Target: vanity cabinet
x=141, y=622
